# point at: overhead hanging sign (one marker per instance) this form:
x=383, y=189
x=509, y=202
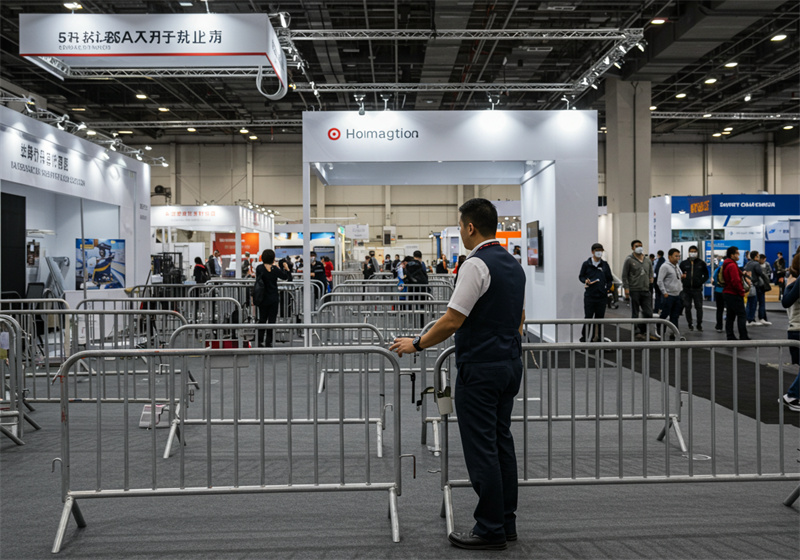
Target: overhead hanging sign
x=745, y=205
x=153, y=40
x=357, y=231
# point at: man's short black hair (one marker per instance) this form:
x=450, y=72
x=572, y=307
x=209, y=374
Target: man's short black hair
x=753, y=254
x=268, y=256
x=312, y=254
x=731, y=250
x=660, y=253
x=418, y=254
x=482, y=214
x=673, y=251
x=694, y=247
x=634, y=242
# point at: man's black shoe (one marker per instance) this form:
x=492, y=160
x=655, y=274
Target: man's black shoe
x=700, y=328
x=513, y=536
x=691, y=327
x=471, y=541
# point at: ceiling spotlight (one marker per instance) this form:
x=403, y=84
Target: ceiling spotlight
x=113, y=147
x=81, y=126
x=243, y=130
x=618, y=65
x=622, y=49
x=726, y=132
x=148, y=148
x=653, y=107
x=191, y=129
x=728, y=128
x=59, y=125
x=717, y=134
x=680, y=96
x=163, y=109
x=141, y=96
x=124, y=132
x=658, y=21
x=788, y=127
x=205, y=204
x=359, y=97
x=285, y=19
x=707, y=115
x=778, y=37
x=748, y=97
x=606, y=61
x=594, y=86
x=640, y=46
x=710, y=80
x=90, y=132
x=253, y=137
x=185, y=4
x=73, y=6
x=138, y=156
x=164, y=164
x=105, y=155
x=731, y=64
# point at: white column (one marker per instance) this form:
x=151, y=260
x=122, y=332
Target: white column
x=387, y=206
x=308, y=296
x=237, y=266
x=320, y=198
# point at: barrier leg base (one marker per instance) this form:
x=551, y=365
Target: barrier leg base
x=792, y=498
x=173, y=432
x=70, y=507
x=448, y=509
x=393, y=515
x=10, y=435
x=31, y=421
x=674, y=424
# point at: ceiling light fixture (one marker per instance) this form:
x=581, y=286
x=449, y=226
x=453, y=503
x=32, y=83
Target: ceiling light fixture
x=680, y=96
x=748, y=97
x=186, y=4
x=163, y=109
x=148, y=148
x=191, y=129
x=243, y=130
x=726, y=132
x=710, y=80
x=727, y=128
x=141, y=96
x=641, y=45
x=139, y=156
x=78, y=109
x=731, y=64
x=285, y=19
x=788, y=127
x=707, y=115
x=653, y=107
x=359, y=97
x=164, y=164
x=253, y=137
x=73, y=6
x=618, y=64
x=124, y=132
x=717, y=134
x=778, y=37
x=658, y=21
x=90, y=133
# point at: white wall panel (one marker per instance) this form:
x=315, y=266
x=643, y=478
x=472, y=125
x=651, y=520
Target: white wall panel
x=677, y=169
x=790, y=169
x=736, y=168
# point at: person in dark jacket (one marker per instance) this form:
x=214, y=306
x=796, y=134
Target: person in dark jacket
x=200, y=272
x=596, y=277
x=694, y=275
x=656, y=290
x=734, y=295
x=268, y=310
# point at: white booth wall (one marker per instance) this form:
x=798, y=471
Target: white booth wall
x=115, y=193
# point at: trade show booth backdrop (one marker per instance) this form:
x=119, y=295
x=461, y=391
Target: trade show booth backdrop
x=57, y=174
x=552, y=155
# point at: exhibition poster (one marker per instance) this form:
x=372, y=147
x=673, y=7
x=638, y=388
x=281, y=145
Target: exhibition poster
x=105, y=264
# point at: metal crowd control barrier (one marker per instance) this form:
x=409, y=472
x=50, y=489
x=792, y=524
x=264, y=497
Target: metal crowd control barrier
x=159, y=290
x=439, y=289
x=339, y=276
x=609, y=326
x=344, y=334
x=50, y=336
x=12, y=401
x=392, y=318
x=592, y=448
x=269, y=453
x=396, y=296
x=194, y=309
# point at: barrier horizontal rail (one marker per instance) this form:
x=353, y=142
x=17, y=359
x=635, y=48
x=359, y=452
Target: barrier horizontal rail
x=336, y=460
x=33, y=303
x=395, y=296
x=194, y=309
x=393, y=318
x=50, y=336
x=439, y=290
x=588, y=461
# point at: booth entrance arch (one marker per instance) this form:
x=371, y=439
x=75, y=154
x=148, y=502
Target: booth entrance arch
x=552, y=155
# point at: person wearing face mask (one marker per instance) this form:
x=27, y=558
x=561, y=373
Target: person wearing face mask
x=596, y=277
x=694, y=275
x=637, y=275
x=670, y=282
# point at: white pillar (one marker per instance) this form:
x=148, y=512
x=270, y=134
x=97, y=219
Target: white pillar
x=308, y=296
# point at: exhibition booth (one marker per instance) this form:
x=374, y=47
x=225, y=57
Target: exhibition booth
x=766, y=223
x=327, y=240
x=58, y=189
x=234, y=231
x=551, y=155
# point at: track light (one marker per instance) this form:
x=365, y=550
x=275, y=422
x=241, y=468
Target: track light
x=148, y=148
x=594, y=86
x=641, y=45
x=164, y=164
x=139, y=156
x=359, y=97
x=748, y=97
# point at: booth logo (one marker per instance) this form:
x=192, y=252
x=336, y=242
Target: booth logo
x=334, y=134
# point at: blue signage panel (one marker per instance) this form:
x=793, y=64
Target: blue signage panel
x=700, y=206
x=756, y=205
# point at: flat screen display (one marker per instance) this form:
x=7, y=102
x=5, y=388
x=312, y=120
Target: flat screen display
x=534, y=250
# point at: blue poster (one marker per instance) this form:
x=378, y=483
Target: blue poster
x=105, y=264
x=721, y=246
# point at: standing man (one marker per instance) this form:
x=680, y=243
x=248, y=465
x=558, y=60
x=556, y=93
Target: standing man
x=597, y=279
x=486, y=314
x=637, y=276
x=779, y=268
x=215, y=264
x=694, y=274
x=395, y=265
x=734, y=295
x=659, y=297
x=669, y=282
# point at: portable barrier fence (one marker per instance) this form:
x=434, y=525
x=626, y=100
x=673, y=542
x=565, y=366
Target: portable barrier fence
x=12, y=403
x=395, y=296
x=592, y=440
x=319, y=371
x=438, y=289
x=268, y=447
x=339, y=276
x=50, y=336
x=392, y=318
x=193, y=309
x=159, y=290
x=551, y=330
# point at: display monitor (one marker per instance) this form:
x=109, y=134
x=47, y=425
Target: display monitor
x=534, y=244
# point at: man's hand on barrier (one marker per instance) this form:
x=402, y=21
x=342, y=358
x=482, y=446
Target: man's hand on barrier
x=403, y=345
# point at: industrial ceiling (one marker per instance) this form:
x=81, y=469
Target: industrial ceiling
x=726, y=56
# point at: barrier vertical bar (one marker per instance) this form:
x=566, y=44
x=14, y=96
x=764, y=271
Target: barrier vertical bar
x=736, y=410
x=780, y=409
x=758, y=409
x=596, y=416
x=691, y=414
x=98, y=427
x=289, y=416
x=713, y=391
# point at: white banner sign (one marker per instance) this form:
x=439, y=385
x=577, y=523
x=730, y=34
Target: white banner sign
x=660, y=224
x=191, y=217
x=742, y=233
x=357, y=231
x=154, y=40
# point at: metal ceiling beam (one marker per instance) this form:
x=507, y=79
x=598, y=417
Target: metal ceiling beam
x=192, y=123
x=727, y=116
x=390, y=87
x=464, y=34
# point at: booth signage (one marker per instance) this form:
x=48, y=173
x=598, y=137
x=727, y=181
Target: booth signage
x=190, y=217
x=154, y=40
x=699, y=206
x=745, y=205
x=357, y=231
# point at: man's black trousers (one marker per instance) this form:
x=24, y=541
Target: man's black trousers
x=267, y=313
x=593, y=309
x=695, y=297
x=484, y=399
x=736, y=312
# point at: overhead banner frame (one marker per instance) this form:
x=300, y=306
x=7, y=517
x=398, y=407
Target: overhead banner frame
x=60, y=42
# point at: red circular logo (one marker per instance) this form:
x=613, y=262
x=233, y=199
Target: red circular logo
x=334, y=134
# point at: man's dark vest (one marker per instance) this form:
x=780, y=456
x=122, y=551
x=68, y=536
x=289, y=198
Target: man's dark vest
x=491, y=331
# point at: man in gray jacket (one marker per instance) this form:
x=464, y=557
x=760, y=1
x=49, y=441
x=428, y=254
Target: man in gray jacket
x=637, y=275
x=669, y=282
